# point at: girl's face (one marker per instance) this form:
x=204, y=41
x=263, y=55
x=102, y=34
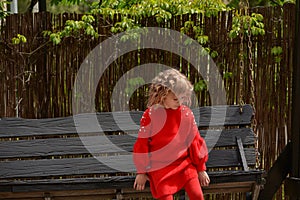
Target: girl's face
x=171, y=101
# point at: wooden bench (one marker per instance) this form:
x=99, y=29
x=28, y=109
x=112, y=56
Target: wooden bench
x=46, y=158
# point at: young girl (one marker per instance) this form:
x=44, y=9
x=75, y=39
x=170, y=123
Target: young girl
x=169, y=151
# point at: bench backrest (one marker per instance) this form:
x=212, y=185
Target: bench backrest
x=38, y=149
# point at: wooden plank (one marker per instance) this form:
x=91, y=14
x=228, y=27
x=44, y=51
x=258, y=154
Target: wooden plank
x=104, y=183
x=276, y=175
x=228, y=176
x=117, y=121
x=57, y=167
x=35, y=149
x=229, y=158
x=226, y=138
x=214, y=115
x=122, y=182
x=130, y=193
x=76, y=194
x=232, y=187
x=216, y=176
x=293, y=182
x=105, y=144
x=87, y=197
x=59, y=194
x=256, y=190
x=103, y=194
x=97, y=194
x=242, y=153
x=292, y=186
x=295, y=105
x=88, y=166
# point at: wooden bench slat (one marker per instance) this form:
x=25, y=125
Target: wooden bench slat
x=233, y=115
x=63, y=146
x=245, y=186
x=87, y=166
x=73, y=145
x=113, y=182
x=229, y=158
x=19, y=127
x=76, y=194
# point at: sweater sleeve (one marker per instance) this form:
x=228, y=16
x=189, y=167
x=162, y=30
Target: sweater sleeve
x=141, y=147
x=198, y=150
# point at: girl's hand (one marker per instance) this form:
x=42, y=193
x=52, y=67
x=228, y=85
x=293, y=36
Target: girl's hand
x=140, y=181
x=203, y=178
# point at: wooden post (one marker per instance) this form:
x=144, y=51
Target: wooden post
x=296, y=98
x=277, y=174
x=42, y=5
x=288, y=161
x=293, y=182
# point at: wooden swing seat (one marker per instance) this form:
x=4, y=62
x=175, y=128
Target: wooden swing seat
x=46, y=159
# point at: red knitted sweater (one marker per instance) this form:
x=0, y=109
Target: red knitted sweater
x=169, y=149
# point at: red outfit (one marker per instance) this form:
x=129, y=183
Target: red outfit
x=169, y=149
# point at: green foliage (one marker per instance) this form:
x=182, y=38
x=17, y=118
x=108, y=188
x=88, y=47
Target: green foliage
x=131, y=11
x=133, y=83
x=3, y=13
x=214, y=54
x=19, y=39
x=227, y=75
x=281, y=2
x=277, y=53
x=244, y=22
x=200, y=86
x=74, y=29
x=162, y=10
x=277, y=50
x=152, y=7
x=254, y=3
x=125, y=24
x=197, y=32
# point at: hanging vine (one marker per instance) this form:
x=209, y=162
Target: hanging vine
x=130, y=12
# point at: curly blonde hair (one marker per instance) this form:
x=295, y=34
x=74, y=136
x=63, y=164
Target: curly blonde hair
x=170, y=80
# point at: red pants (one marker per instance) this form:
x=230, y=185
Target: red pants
x=192, y=188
